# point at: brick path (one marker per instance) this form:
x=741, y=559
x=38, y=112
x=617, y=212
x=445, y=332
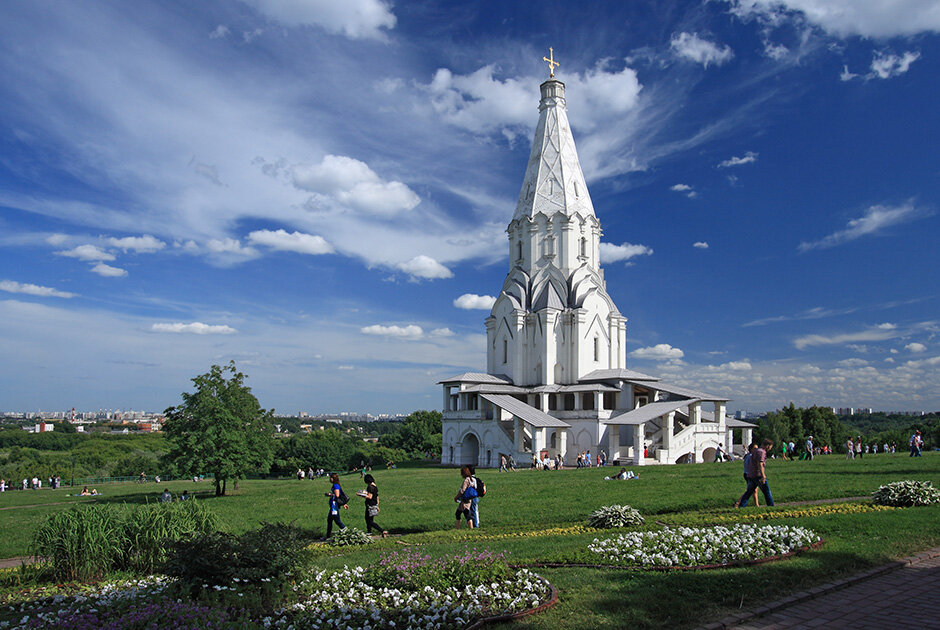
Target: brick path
x=888, y=596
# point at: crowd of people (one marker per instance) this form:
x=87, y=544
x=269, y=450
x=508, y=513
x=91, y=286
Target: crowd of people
x=35, y=483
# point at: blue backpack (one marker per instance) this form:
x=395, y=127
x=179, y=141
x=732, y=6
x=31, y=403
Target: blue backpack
x=470, y=493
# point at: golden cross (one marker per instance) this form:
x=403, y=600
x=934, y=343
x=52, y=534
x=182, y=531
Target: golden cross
x=552, y=64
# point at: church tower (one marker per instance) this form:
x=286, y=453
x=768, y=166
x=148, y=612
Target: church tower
x=553, y=322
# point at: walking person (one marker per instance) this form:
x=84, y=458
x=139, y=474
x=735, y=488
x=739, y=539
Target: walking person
x=915, y=442
x=747, y=463
x=502, y=464
x=809, y=448
x=757, y=474
x=371, y=495
x=336, y=491
x=849, y=449
x=475, y=501
x=858, y=447
x=463, y=500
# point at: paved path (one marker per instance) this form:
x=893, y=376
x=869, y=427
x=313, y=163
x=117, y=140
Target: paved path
x=905, y=597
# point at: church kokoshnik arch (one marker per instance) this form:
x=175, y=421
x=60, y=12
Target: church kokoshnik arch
x=557, y=381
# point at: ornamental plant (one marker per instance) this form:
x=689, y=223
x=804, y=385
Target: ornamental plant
x=349, y=536
x=691, y=546
x=906, y=493
x=611, y=516
x=412, y=570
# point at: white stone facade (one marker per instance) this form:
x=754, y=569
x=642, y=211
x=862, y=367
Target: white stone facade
x=556, y=380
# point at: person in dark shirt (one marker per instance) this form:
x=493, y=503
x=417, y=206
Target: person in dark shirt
x=371, y=495
x=757, y=475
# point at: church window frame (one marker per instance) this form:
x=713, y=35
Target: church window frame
x=505, y=351
x=597, y=349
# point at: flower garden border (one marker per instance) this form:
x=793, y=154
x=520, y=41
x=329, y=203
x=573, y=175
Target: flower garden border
x=698, y=567
x=552, y=600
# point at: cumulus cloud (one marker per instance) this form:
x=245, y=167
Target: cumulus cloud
x=471, y=301
x=356, y=19
x=747, y=158
x=875, y=219
x=659, y=352
x=700, y=245
x=843, y=18
x=886, y=66
x=353, y=184
x=685, y=189
x=195, y=328
x=422, y=266
x=855, y=362
x=915, y=347
x=87, y=252
x=775, y=51
x=611, y=253
x=442, y=332
x=56, y=239
x=145, y=244
x=108, y=271
x=401, y=332
x=298, y=242
x=692, y=47
x=12, y=286
x=230, y=247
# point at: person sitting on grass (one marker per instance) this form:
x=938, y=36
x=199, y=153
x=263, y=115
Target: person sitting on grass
x=85, y=492
x=184, y=496
x=166, y=497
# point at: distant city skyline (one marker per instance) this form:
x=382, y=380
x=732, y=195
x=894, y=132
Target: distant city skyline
x=320, y=194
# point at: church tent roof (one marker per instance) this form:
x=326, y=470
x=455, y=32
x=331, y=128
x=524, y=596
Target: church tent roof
x=647, y=412
x=610, y=375
x=477, y=377
x=491, y=388
x=528, y=414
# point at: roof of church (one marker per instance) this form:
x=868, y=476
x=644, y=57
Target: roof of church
x=493, y=388
x=679, y=391
x=616, y=374
x=647, y=412
x=553, y=181
x=734, y=423
x=478, y=377
x=528, y=414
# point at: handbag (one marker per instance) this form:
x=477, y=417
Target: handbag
x=372, y=510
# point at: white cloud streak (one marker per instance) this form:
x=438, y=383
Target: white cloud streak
x=611, y=253
x=87, y=252
x=692, y=47
x=298, y=242
x=410, y=331
x=747, y=158
x=145, y=244
x=11, y=286
x=194, y=328
x=108, y=271
x=356, y=19
x=875, y=219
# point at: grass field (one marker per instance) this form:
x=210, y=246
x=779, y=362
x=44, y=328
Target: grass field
x=519, y=507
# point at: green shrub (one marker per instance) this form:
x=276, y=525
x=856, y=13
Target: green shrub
x=149, y=530
x=412, y=570
x=614, y=516
x=349, y=536
x=906, y=493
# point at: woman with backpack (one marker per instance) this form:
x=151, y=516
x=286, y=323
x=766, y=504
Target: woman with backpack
x=464, y=498
x=337, y=499
x=371, y=495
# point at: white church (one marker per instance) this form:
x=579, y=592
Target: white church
x=556, y=380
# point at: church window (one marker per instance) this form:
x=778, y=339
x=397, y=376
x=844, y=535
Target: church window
x=583, y=247
x=588, y=402
x=597, y=349
x=551, y=187
x=569, y=402
x=576, y=192
x=552, y=402
x=505, y=351
x=519, y=250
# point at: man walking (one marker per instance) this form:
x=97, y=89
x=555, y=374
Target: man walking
x=809, y=448
x=916, y=442
x=757, y=475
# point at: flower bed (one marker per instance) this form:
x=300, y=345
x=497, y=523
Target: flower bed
x=907, y=494
x=690, y=546
x=737, y=516
x=611, y=516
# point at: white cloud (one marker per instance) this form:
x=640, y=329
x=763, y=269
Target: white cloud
x=886, y=65
x=855, y=362
x=684, y=188
x=87, y=252
x=220, y=31
x=694, y=48
x=659, y=352
x=915, y=347
x=611, y=253
x=471, y=301
x=108, y=271
x=843, y=18
x=291, y=242
x=402, y=332
x=845, y=75
x=12, y=286
x=775, y=51
x=880, y=332
x=56, y=239
x=736, y=366
x=195, y=328
x=353, y=184
x=346, y=367
x=356, y=19
x=230, y=247
x=422, y=266
x=442, y=332
x=700, y=245
x=875, y=219
x=747, y=158
x=145, y=244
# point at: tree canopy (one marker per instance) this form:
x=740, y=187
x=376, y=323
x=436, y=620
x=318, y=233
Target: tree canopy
x=219, y=429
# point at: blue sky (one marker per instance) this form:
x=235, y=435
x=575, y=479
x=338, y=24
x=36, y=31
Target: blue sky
x=319, y=191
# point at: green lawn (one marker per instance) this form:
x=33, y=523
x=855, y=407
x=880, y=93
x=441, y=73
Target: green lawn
x=417, y=503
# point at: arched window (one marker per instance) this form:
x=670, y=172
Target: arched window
x=519, y=250
x=583, y=247
x=505, y=350
x=597, y=349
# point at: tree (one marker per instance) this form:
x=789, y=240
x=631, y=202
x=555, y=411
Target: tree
x=220, y=429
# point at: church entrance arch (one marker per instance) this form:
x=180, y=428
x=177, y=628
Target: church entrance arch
x=470, y=451
x=708, y=455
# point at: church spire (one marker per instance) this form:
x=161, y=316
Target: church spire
x=553, y=181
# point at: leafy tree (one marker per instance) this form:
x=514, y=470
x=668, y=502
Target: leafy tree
x=419, y=434
x=221, y=429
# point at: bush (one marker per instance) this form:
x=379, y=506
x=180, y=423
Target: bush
x=349, y=536
x=269, y=555
x=906, y=494
x=614, y=516
x=90, y=541
x=161, y=613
